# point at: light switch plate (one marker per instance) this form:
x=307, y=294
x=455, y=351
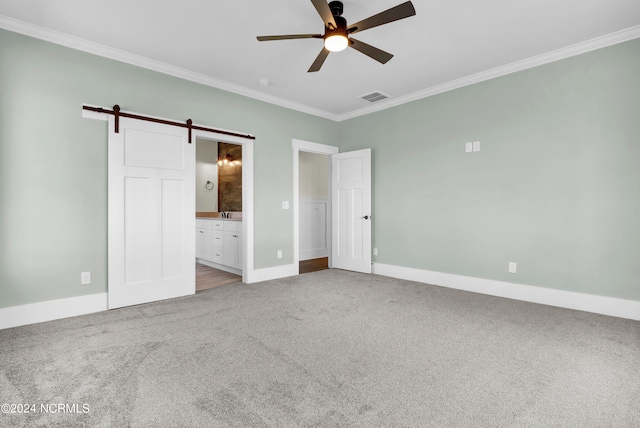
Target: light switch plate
x=285, y=205
x=512, y=267
x=85, y=278
x=468, y=147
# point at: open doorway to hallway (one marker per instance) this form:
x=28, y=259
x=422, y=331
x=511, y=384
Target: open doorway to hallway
x=313, y=211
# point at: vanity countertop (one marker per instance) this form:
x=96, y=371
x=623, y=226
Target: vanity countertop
x=219, y=218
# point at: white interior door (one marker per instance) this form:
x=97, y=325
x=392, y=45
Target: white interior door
x=351, y=210
x=151, y=213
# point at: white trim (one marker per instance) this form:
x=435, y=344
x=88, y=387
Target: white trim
x=84, y=45
x=321, y=149
x=247, y=194
x=546, y=296
x=33, y=313
x=225, y=268
x=308, y=146
x=276, y=272
x=126, y=57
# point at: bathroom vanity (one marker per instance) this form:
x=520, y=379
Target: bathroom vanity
x=219, y=243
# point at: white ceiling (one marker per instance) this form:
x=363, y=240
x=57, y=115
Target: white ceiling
x=214, y=42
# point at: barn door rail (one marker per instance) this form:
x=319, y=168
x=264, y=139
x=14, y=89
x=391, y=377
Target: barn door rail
x=188, y=124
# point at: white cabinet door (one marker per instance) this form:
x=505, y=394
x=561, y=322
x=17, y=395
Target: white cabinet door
x=231, y=252
x=203, y=244
x=151, y=195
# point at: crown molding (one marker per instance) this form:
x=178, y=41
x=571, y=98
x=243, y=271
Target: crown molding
x=77, y=43
x=80, y=44
x=556, y=55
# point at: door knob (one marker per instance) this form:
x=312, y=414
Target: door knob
x=366, y=217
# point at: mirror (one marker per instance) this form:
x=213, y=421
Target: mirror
x=218, y=178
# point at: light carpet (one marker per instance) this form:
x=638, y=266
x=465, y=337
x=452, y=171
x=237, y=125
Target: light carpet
x=326, y=349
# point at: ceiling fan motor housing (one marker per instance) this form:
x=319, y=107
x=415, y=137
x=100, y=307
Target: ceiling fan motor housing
x=336, y=8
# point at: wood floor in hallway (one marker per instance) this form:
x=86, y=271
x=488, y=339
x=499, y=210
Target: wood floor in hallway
x=313, y=265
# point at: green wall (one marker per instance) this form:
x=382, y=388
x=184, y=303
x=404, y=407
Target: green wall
x=555, y=187
x=53, y=163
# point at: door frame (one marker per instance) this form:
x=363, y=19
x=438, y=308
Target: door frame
x=247, y=194
x=321, y=149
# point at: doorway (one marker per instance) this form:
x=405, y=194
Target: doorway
x=349, y=204
x=145, y=150
x=313, y=211
x=218, y=189
x=312, y=205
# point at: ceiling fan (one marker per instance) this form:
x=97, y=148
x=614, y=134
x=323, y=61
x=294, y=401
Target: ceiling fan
x=337, y=34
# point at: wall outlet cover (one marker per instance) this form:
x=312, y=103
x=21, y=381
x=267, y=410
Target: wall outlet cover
x=468, y=147
x=512, y=267
x=279, y=254
x=476, y=146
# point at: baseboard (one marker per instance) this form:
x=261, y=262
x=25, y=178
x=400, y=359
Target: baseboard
x=32, y=313
x=547, y=296
x=219, y=266
x=276, y=272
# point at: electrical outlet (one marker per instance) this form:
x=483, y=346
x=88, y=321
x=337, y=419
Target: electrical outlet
x=512, y=267
x=468, y=147
x=285, y=205
x=375, y=251
x=476, y=146
x=85, y=278
x=279, y=254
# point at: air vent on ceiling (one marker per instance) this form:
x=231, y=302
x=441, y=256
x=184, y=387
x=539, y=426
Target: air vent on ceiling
x=374, y=97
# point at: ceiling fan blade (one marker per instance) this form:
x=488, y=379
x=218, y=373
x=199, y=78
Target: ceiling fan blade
x=325, y=13
x=324, y=53
x=290, y=36
x=401, y=11
x=373, y=52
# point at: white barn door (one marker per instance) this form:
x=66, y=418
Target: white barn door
x=351, y=210
x=151, y=213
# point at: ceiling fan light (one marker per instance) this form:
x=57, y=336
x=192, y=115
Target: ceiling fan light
x=336, y=43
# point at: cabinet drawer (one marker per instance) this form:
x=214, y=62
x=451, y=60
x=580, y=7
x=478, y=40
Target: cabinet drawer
x=233, y=226
x=217, y=239
x=203, y=224
x=218, y=256
x=217, y=224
